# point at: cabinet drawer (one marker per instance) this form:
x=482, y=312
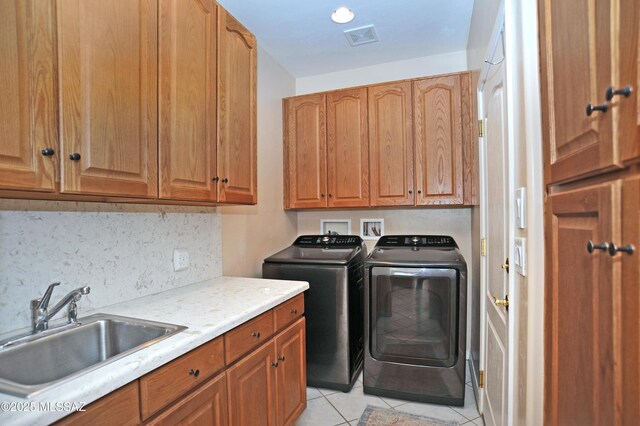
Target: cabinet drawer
x=167, y=383
x=288, y=311
x=249, y=335
x=120, y=407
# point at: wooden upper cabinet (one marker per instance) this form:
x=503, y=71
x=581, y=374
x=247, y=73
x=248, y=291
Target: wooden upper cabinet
x=237, y=83
x=391, y=145
x=28, y=103
x=575, y=72
x=437, y=112
x=305, y=157
x=628, y=44
x=582, y=291
x=187, y=99
x=108, y=96
x=347, y=148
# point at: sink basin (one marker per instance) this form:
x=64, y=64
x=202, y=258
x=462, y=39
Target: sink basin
x=31, y=365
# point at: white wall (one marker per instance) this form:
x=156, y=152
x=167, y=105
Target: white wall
x=410, y=68
x=251, y=233
x=121, y=251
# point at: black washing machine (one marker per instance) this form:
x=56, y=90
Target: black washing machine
x=334, y=303
x=415, y=319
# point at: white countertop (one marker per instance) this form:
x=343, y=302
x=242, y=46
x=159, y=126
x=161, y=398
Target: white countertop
x=208, y=309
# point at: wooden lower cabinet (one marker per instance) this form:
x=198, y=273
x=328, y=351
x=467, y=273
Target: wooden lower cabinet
x=291, y=374
x=251, y=385
x=265, y=387
x=206, y=406
x=120, y=407
x=582, y=342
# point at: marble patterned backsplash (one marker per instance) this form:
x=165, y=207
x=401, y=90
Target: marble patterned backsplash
x=121, y=251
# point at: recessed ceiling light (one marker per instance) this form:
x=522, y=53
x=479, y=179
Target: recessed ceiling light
x=342, y=15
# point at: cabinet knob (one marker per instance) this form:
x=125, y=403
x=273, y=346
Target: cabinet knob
x=590, y=108
x=281, y=358
x=48, y=152
x=274, y=364
x=322, y=195
x=613, y=249
x=330, y=195
x=591, y=247
x=294, y=311
x=215, y=179
x=225, y=180
x=194, y=373
x=256, y=334
x=419, y=191
x=74, y=157
x=410, y=192
x=611, y=92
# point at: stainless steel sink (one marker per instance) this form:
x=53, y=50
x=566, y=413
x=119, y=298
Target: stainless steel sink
x=32, y=364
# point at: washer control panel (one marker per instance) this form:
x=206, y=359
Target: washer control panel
x=328, y=240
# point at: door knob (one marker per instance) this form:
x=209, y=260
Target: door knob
x=505, y=265
x=502, y=302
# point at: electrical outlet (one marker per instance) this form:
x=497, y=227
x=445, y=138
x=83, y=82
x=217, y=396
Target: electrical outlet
x=180, y=259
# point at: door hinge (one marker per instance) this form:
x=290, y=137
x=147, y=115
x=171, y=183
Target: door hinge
x=483, y=247
x=481, y=384
x=481, y=128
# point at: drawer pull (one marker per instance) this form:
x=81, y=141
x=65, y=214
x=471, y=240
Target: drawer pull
x=48, y=152
x=591, y=247
x=281, y=358
x=256, y=334
x=613, y=249
x=611, y=92
x=194, y=373
x=274, y=364
x=294, y=311
x=603, y=108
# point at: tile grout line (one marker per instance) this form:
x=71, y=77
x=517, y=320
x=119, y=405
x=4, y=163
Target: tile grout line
x=337, y=411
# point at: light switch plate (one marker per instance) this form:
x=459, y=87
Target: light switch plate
x=521, y=207
x=520, y=256
x=180, y=259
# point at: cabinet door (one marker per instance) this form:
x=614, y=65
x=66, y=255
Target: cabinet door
x=630, y=307
x=237, y=74
x=187, y=99
x=582, y=288
x=305, y=152
x=437, y=113
x=391, y=145
x=291, y=378
x=576, y=71
x=108, y=89
x=205, y=406
x=347, y=148
x=628, y=44
x=251, y=388
x=28, y=102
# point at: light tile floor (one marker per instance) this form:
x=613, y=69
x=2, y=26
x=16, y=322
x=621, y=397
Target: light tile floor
x=327, y=407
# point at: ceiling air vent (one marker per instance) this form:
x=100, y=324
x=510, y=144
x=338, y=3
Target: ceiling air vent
x=362, y=35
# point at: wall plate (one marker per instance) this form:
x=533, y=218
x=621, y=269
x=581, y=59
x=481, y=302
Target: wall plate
x=520, y=256
x=521, y=207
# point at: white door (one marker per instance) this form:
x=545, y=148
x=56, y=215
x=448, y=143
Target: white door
x=494, y=289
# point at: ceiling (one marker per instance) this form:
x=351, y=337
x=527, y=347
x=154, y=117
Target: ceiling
x=300, y=35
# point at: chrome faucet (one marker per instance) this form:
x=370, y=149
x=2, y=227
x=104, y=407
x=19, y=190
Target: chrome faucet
x=41, y=314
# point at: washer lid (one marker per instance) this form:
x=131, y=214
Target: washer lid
x=320, y=250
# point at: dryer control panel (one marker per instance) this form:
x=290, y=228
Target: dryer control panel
x=436, y=241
